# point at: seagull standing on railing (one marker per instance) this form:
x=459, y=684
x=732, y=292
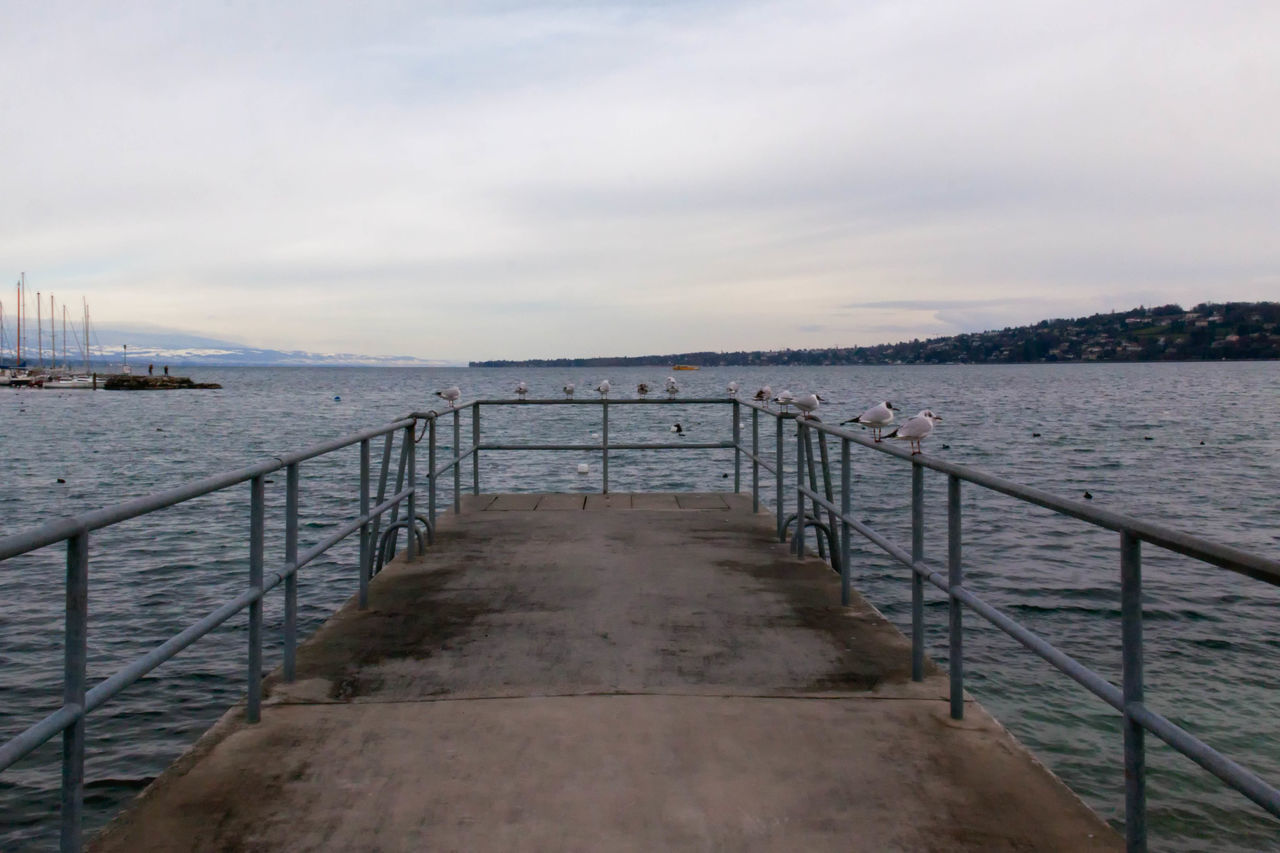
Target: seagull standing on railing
x=568, y=389
x=603, y=388
x=764, y=395
x=877, y=417
x=450, y=395
x=916, y=429
x=643, y=389
x=733, y=389
x=672, y=388
x=784, y=399
x=808, y=404
x=521, y=389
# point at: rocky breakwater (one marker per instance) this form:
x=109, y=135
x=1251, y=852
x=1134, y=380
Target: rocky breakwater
x=130, y=382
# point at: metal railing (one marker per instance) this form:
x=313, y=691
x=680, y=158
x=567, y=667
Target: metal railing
x=813, y=495
x=79, y=700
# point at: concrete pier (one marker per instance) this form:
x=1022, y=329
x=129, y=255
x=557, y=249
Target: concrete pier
x=591, y=672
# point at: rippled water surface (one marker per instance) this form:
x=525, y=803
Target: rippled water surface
x=1193, y=445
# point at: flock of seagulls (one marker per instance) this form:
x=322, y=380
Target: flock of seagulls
x=913, y=430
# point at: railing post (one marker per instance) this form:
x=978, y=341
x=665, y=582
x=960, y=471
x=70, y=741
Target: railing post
x=411, y=484
x=457, y=461
x=1135, y=760
x=291, y=582
x=917, y=579
x=366, y=547
x=955, y=581
x=778, y=482
x=75, y=654
x=604, y=444
x=755, y=460
x=475, y=450
x=737, y=449
x=257, y=530
x=809, y=457
x=431, y=463
x=846, y=507
x=797, y=538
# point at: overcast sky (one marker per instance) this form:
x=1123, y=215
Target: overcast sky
x=490, y=180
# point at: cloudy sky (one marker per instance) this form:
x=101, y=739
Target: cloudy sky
x=489, y=180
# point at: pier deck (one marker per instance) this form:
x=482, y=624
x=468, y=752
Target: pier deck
x=592, y=672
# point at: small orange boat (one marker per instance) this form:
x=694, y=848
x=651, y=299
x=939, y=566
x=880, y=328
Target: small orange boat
x=685, y=367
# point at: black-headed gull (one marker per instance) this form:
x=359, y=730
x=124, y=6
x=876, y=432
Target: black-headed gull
x=521, y=389
x=807, y=404
x=784, y=399
x=603, y=388
x=733, y=389
x=568, y=389
x=643, y=389
x=916, y=429
x=450, y=395
x=877, y=417
x=764, y=395
x=672, y=388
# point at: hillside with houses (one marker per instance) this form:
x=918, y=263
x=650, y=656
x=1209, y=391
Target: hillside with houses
x=1209, y=331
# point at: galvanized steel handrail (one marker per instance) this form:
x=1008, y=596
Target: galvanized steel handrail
x=1127, y=698
x=79, y=701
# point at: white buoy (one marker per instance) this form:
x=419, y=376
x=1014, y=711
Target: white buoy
x=583, y=468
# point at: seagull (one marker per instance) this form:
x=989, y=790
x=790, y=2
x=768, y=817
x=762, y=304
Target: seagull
x=450, y=395
x=568, y=389
x=521, y=389
x=784, y=399
x=672, y=388
x=916, y=429
x=808, y=404
x=764, y=395
x=733, y=389
x=643, y=389
x=877, y=417
x=603, y=388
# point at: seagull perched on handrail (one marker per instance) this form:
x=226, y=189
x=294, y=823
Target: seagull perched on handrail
x=450, y=395
x=521, y=389
x=643, y=389
x=733, y=389
x=916, y=429
x=764, y=395
x=877, y=417
x=672, y=388
x=808, y=404
x=603, y=388
x=784, y=399
x=568, y=389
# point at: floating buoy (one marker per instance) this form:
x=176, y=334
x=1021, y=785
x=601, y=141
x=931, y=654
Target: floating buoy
x=583, y=468
x=60, y=480
x=1202, y=444
x=336, y=399
x=1035, y=435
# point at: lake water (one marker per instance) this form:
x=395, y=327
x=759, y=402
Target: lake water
x=1210, y=466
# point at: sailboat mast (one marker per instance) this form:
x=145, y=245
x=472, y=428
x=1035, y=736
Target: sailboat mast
x=64, y=335
x=86, y=336
x=21, y=282
x=53, y=337
x=39, y=329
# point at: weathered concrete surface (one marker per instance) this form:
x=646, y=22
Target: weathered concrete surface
x=608, y=680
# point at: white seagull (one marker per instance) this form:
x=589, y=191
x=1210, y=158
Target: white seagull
x=877, y=417
x=568, y=389
x=764, y=395
x=916, y=429
x=784, y=399
x=808, y=404
x=521, y=389
x=643, y=389
x=733, y=389
x=603, y=388
x=450, y=395
x=672, y=388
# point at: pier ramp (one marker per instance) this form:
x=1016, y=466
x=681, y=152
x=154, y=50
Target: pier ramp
x=607, y=672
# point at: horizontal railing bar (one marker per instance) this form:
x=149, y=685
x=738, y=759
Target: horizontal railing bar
x=1236, y=776
x=719, y=445
x=582, y=401
x=348, y=528
x=37, y=735
x=766, y=465
x=64, y=528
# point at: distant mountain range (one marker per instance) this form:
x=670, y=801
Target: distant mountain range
x=1209, y=331
x=166, y=346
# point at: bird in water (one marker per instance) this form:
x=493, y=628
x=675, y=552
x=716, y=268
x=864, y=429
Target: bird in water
x=877, y=417
x=450, y=395
x=677, y=429
x=784, y=399
x=808, y=404
x=672, y=388
x=733, y=389
x=643, y=389
x=568, y=389
x=916, y=429
x=603, y=388
x=764, y=395
x=521, y=389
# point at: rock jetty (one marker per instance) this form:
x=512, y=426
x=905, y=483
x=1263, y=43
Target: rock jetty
x=131, y=382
